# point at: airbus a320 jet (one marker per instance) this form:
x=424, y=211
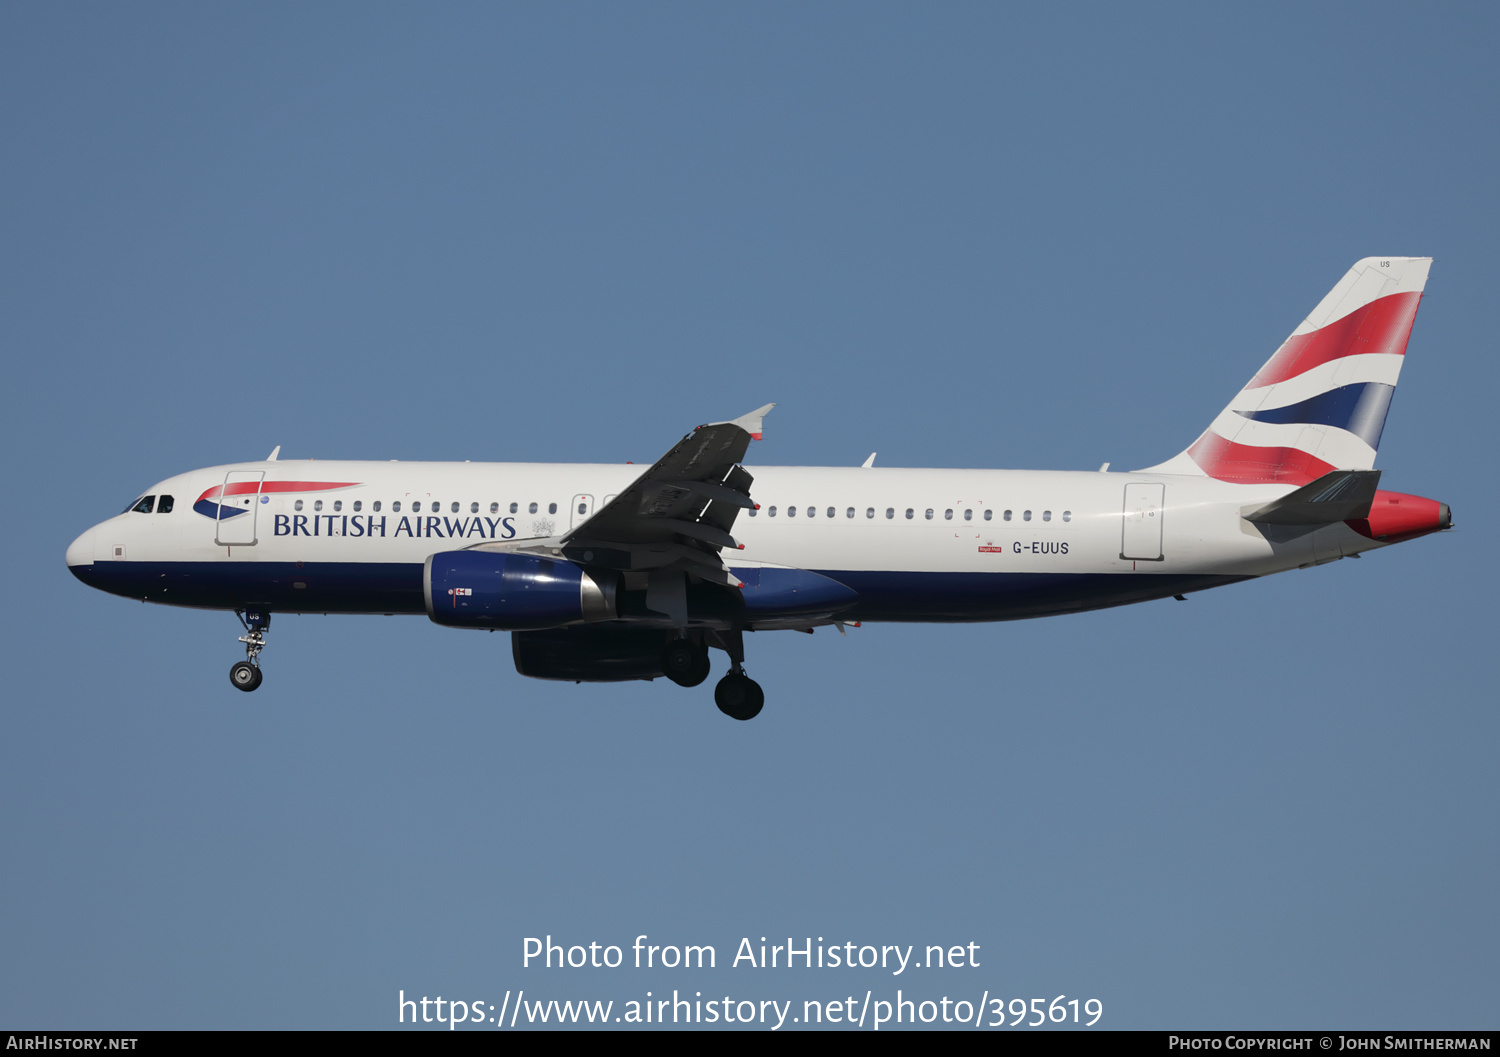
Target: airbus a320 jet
x=604, y=573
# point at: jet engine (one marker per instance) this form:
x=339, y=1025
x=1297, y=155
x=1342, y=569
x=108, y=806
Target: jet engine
x=511, y=592
x=589, y=655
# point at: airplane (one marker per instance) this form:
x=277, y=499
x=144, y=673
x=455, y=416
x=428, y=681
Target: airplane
x=605, y=573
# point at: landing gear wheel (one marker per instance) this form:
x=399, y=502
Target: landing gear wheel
x=245, y=676
x=739, y=697
x=684, y=663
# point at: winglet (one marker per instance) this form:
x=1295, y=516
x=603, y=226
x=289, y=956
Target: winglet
x=869, y=462
x=274, y=452
x=751, y=423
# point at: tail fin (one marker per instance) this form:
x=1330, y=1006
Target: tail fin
x=1319, y=403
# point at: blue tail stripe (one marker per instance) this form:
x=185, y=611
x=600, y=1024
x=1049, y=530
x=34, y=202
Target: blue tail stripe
x=1358, y=408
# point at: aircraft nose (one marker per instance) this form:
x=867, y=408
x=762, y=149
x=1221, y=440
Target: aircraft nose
x=80, y=556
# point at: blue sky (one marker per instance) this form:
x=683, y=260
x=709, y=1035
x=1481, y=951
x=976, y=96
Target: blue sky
x=961, y=235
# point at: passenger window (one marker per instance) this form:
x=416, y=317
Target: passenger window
x=791, y=511
x=453, y=509
x=318, y=504
x=357, y=506
x=164, y=505
x=145, y=505
x=753, y=511
x=494, y=508
x=551, y=508
x=772, y=512
x=533, y=508
x=851, y=512
x=947, y=515
x=812, y=511
x=1006, y=515
x=909, y=513
x=395, y=507
x=1025, y=515
x=513, y=508
x=989, y=515
x=1046, y=515
x=338, y=504
x=831, y=511
x=583, y=508
x=1067, y=515
x=929, y=513
x=968, y=515
x=375, y=506
x=298, y=505
x=890, y=512
x=869, y=511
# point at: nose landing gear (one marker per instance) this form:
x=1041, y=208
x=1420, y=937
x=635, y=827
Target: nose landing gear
x=246, y=675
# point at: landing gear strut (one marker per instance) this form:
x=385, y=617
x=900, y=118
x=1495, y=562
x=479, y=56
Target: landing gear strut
x=246, y=675
x=737, y=695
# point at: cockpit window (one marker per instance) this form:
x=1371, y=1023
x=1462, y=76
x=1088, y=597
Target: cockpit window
x=144, y=505
x=164, y=505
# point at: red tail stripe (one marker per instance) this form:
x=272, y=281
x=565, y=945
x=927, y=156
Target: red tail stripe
x=1381, y=326
x=1225, y=460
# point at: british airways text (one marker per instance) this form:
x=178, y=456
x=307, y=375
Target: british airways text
x=353, y=525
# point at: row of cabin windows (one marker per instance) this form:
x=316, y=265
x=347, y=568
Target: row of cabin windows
x=911, y=513
x=432, y=506
x=163, y=505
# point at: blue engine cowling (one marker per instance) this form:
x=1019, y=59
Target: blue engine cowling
x=513, y=592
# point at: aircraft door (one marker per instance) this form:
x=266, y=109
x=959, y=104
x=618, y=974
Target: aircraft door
x=239, y=506
x=1141, y=538
x=581, y=510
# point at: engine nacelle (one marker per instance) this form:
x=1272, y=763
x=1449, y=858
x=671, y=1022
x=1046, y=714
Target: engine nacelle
x=589, y=655
x=510, y=592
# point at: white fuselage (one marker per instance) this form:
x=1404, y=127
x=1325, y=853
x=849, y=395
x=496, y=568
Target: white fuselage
x=916, y=544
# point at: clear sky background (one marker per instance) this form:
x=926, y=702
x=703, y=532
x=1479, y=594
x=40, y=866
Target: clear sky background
x=959, y=235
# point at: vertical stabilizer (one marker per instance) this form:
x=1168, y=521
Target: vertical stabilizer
x=1319, y=404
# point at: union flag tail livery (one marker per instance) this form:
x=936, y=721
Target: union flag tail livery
x=1319, y=403
x=603, y=572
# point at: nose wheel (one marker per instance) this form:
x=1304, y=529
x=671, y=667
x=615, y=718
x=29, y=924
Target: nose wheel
x=246, y=675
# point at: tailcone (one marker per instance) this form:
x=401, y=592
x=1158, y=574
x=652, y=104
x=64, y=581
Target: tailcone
x=1395, y=516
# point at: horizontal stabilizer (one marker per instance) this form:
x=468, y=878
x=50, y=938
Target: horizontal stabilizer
x=1342, y=495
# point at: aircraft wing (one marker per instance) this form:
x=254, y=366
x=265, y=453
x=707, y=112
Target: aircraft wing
x=679, y=512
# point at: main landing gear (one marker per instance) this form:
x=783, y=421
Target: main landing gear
x=246, y=675
x=737, y=695
x=685, y=662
